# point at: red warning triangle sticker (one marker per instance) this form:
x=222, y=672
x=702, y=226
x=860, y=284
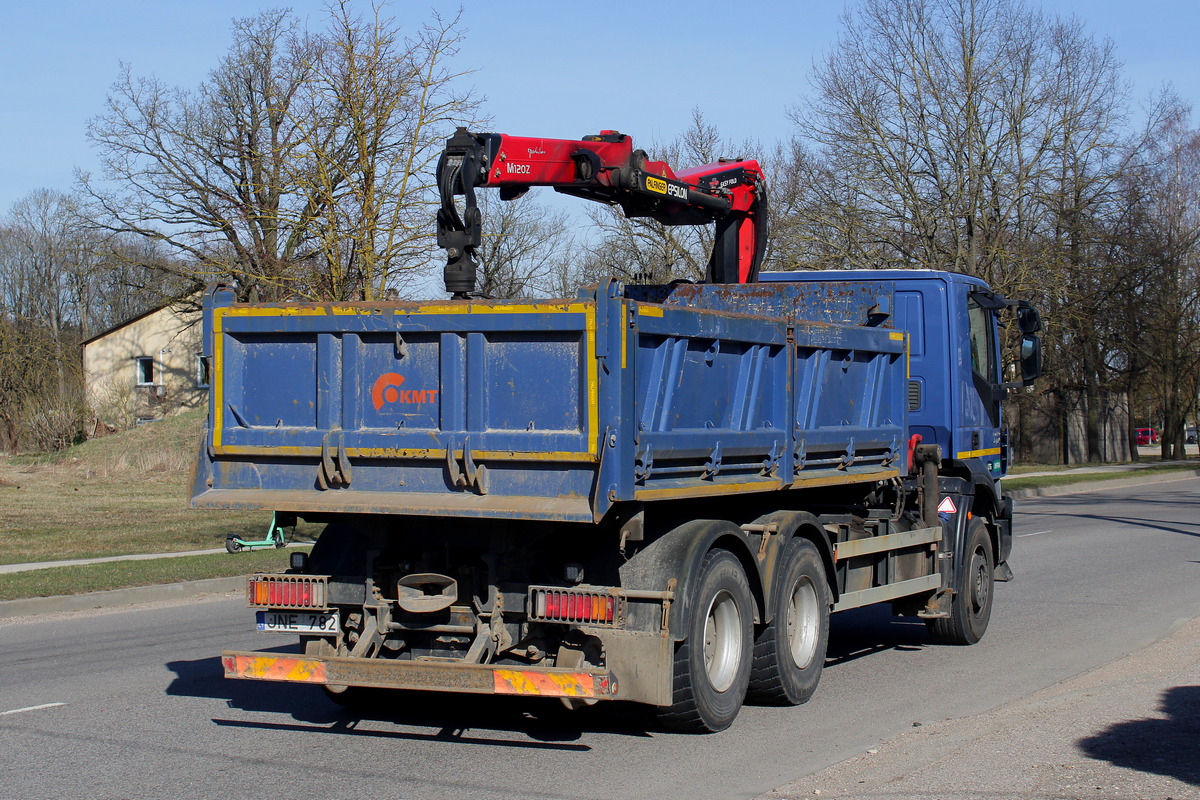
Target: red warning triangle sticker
x=947, y=507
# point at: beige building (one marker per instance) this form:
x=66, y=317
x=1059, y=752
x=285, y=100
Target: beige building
x=147, y=367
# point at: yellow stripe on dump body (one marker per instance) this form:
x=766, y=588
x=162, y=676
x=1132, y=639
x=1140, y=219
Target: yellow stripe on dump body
x=314, y=310
x=591, y=370
x=411, y=453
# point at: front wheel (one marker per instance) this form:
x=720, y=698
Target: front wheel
x=789, y=654
x=712, y=666
x=971, y=606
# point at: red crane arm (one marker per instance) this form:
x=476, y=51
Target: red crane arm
x=605, y=168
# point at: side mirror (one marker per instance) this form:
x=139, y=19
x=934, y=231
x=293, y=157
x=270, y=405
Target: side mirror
x=1031, y=356
x=1029, y=321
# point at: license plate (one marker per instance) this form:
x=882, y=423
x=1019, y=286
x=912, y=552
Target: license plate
x=297, y=621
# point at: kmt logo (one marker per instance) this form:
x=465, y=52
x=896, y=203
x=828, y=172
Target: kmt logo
x=387, y=390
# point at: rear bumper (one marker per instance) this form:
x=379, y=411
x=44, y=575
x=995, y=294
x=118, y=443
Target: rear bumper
x=423, y=675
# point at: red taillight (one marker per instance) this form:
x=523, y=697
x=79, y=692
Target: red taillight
x=287, y=591
x=573, y=606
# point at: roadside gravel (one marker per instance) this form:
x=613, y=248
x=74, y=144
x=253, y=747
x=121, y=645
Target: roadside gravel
x=1130, y=729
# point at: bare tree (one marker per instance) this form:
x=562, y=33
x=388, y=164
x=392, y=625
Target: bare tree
x=942, y=120
x=820, y=217
x=526, y=247
x=978, y=136
x=291, y=169
x=49, y=264
x=44, y=266
x=132, y=275
x=211, y=172
x=394, y=99
x=1160, y=250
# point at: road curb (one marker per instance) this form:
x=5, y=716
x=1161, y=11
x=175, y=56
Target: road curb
x=29, y=606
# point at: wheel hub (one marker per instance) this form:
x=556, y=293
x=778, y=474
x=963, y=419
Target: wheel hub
x=803, y=622
x=979, y=582
x=722, y=641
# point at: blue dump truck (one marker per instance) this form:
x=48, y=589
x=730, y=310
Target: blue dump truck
x=648, y=493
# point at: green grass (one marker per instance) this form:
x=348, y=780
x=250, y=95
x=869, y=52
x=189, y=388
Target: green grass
x=118, y=495
x=169, y=444
x=1019, y=469
x=121, y=574
x=1067, y=478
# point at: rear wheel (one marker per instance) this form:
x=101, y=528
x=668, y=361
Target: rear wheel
x=356, y=698
x=971, y=606
x=712, y=666
x=789, y=654
x=345, y=696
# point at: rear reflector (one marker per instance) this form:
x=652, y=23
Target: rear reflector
x=576, y=606
x=286, y=591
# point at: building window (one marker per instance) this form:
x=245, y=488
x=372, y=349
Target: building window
x=203, y=367
x=145, y=371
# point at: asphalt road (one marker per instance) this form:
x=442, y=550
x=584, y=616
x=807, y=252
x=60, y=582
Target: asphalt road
x=130, y=703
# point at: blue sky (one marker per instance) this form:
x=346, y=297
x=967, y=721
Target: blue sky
x=547, y=67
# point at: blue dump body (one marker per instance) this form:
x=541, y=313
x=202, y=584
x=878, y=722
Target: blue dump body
x=647, y=493
x=953, y=359
x=553, y=410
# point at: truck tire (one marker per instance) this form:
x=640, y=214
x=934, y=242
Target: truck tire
x=789, y=653
x=712, y=665
x=971, y=606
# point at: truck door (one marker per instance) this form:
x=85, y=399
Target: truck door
x=983, y=358
x=980, y=423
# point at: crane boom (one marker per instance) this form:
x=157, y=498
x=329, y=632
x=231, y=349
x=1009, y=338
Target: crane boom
x=605, y=168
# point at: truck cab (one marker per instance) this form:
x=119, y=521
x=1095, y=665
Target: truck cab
x=954, y=383
x=955, y=374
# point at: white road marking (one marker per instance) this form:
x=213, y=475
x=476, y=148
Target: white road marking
x=1035, y=533
x=30, y=708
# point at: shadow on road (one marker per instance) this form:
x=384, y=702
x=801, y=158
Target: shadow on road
x=545, y=722
x=1100, y=508
x=1160, y=746
x=864, y=631
x=205, y=678
x=350, y=726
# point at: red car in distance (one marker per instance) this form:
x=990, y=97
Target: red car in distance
x=1145, y=436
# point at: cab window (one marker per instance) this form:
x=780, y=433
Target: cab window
x=983, y=355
